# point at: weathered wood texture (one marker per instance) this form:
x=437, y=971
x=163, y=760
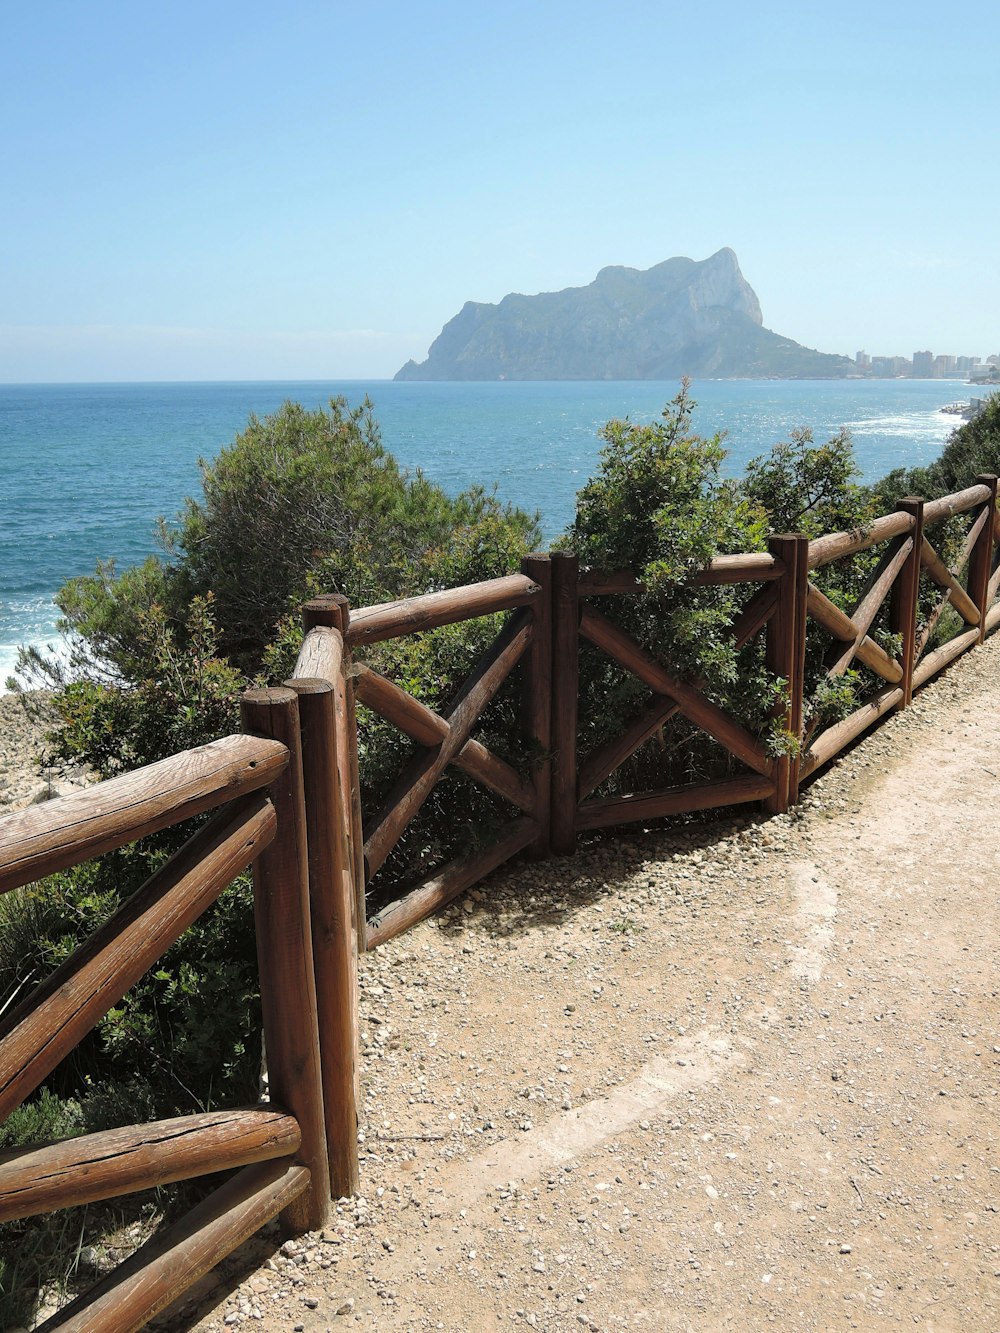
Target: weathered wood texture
x=428, y=728
x=869, y=603
x=905, y=595
x=950, y=505
x=785, y=656
x=450, y=881
x=372, y=624
x=333, y=611
x=47, y=1025
x=285, y=956
x=933, y=662
x=122, y=1161
x=749, y=567
x=944, y=578
x=536, y=699
x=332, y=917
x=45, y=838
x=837, y=545
x=158, y=1273
x=691, y=702
x=833, y=740
x=321, y=655
x=841, y=626
x=565, y=692
x=420, y=775
x=674, y=801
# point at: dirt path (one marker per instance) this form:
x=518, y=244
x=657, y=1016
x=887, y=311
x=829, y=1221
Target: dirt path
x=741, y=1078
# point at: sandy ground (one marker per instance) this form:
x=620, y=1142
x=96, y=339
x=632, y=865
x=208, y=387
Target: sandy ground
x=737, y=1076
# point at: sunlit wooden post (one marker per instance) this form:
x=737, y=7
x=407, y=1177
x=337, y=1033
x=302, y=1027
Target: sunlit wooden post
x=285, y=956
x=332, y=905
x=981, y=559
x=565, y=568
x=785, y=656
x=905, y=597
x=537, y=698
x=334, y=610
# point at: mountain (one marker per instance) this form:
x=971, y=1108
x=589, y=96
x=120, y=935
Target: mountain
x=677, y=318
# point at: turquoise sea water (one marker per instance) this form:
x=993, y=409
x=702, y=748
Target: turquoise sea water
x=88, y=467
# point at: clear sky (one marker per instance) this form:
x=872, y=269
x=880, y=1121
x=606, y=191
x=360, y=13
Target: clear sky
x=250, y=190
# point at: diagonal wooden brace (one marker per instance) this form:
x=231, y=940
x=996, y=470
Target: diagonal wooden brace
x=691, y=702
x=428, y=728
x=419, y=777
x=867, y=606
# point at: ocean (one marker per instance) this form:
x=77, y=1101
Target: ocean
x=87, y=468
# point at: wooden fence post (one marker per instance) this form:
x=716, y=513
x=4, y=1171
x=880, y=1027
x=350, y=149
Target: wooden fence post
x=785, y=656
x=284, y=956
x=905, y=598
x=565, y=568
x=981, y=559
x=334, y=609
x=537, y=698
x=332, y=911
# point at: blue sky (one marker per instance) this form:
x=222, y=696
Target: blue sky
x=218, y=190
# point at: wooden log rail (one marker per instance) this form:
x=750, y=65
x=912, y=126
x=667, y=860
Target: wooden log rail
x=279, y=1150
x=897, y=576
x=389, y=620
x=122, y=1161
x=45, y=838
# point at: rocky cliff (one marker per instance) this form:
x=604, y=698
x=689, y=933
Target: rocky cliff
x=677, y=318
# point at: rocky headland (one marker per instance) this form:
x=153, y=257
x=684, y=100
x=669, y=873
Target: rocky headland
x=678, y=318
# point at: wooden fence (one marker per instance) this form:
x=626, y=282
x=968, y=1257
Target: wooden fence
x=555, y=606
x=280, y=808
x=288, y=802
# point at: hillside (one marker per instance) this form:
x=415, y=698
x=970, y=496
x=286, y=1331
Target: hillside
x=680, y=317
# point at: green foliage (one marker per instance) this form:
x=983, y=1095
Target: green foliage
x=810, y=488
x=659, y=506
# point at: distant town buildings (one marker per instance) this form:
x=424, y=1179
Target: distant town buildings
x=927, y=366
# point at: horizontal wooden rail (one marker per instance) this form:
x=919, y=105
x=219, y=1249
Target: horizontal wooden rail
x=692, y=703
x=139, y=1157
x=673, y=801
x=128, y=1298
x=836, y=545
x=931, y=664
x=833, y=740
x=388, y=620
x=745, y=567
x=61, y=1011
x=45, y=838
x=950, y=505
x=420, y=776
x=428, y=728
x=944, y=578
x=842, y=627
x=450, y=881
